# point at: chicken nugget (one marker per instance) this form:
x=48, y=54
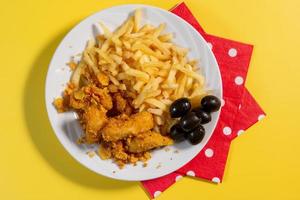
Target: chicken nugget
x=105, y=98
x=146, y=141
x=94, y=118
x=121, y=127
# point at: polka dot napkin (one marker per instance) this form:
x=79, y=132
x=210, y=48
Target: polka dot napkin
x=239, y=110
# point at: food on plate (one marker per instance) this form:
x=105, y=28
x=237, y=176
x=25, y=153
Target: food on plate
x=124, y=126
x=189, y=121
x=203, y=115
x=210, y=103
x=196, y=135
x=189, y=126
x=177, y=133
x=180, y=107
x=146, y=141
x=129, y=87
x=94, y=118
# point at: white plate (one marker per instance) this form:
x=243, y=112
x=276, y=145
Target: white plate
x=65, y=125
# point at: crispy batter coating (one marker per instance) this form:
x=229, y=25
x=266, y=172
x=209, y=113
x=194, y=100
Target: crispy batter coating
x=122, y=127
x=146, y=141
x=59, y=105
x=94, y=118
x=118, y=151
x=104, y=97
x=104, y=151
x=120, y=102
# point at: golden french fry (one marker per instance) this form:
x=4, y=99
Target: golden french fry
x=155, y=111
x=106, y=31
x=191, y=73
x=156, y=103
x=75, y=78
x=137, y=20
x=166, y=37
x=139, y=46
x=159, y=29
x=146, y=28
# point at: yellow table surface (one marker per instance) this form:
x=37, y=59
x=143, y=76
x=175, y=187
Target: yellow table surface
x=264, y=163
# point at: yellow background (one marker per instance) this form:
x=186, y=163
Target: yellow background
x=264, y=163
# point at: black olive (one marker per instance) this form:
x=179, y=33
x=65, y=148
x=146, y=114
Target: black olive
x=210, y=103
x=176, y=133
x=203, y=115
x=196, y=135
x=180, y=107
x=189, y=121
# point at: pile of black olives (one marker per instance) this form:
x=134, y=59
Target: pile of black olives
x=190, y=124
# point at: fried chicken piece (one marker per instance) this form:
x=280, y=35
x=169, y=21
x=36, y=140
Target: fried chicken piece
x=146, y=141
x=104, y=151
x=120, y=102
x=59, y=105
x=118, y=151
x=104, y=98
x=124, y=126
x=128, y=110
x=94, y=118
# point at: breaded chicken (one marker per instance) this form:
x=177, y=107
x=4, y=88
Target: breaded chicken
x=146, y=141
x=121, y=127
x=104, y=151
x=94, y=118
x=104, y=97
x=120, y=102
x=118, y=151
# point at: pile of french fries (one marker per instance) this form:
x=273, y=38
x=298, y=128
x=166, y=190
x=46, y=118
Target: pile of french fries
x=144, y=62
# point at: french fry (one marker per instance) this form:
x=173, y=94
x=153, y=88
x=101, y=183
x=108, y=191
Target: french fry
x=159, y=29
x=190, y=73
x=139, y=46
x=138, y=85
x=166, y=37
x=113, y=80
x=137, y=20
x=75, y=78
x=146, y=28
x=136, y=73
x=155, y=111
x=106, y=31
x=189, y=80
x=137, y=55
x=156, y=103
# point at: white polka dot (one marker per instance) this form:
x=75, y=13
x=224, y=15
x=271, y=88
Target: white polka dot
x=260, y=117
x=209, y=153
x=232, y=52
x=210, y=45
x=222, y=102
x=240, y=132
x=190, y=173
x=239, y=80
x=157, y=193
x=227, y=130
x=216, y=180
x=178, y=178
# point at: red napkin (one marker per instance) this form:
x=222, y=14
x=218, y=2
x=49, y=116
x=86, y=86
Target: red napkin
x=239, y=110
